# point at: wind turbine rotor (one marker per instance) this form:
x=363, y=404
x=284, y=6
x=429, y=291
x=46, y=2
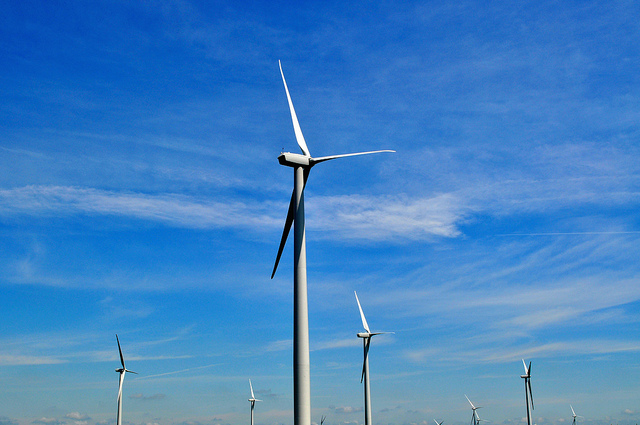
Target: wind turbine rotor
x=573, y=414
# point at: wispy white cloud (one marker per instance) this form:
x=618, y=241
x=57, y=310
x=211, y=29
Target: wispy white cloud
x=387, y=217
x=77, y=416
x=341, y=343
x=281, y=345
x=356, y=217
x=22, y=360
x=177, y=210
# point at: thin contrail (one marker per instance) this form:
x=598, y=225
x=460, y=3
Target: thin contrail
x=178, y=371
x=568, y=233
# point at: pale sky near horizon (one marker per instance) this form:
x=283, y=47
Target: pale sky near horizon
x=141, y=195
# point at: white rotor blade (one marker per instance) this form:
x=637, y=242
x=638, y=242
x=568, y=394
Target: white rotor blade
x=291, y=215
x=326, y=158
x=366, y=354
x=251, y=386
x=294, y=118
x=120, y=350
x=120, y=387
x=364, y=321
x=526, y=371
x=472, y=406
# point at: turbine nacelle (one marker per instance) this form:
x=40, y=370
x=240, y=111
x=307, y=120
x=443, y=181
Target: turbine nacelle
x=294, y=160
x=370, y=334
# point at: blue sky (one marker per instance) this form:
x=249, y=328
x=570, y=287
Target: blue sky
x=141, y=195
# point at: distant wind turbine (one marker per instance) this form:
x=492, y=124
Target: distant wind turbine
x=122, y=371
x=302, y=165
x=366, y=341
x=528, y=395
x=439, y=423
x=475, y=419
x=322, y=419
x=253, y=400
x=574, y=415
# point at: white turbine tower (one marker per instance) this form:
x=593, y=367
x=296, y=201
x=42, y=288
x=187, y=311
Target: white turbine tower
x=528, y=395
x=122, y=371
x=475, y=419
x=366, y=341
x=253, y=400
x=574, y=415
x=301, y=165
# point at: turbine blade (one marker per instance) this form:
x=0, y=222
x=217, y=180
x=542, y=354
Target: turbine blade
x=291, y=215
x=526, y=372
x=530, y=393
x=364, y=321
x=120, y=387
x=130, y=371
x=251, y=386
x=294, y=118
x=327, y=158
x=529, y=369
x=120, y=350
x=366, y=354
x=472, y=406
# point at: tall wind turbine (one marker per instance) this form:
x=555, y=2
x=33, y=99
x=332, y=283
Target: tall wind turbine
x=574, y=415
x=301, y=164
x=253, y=400
x=528, y=395
x=475, y=419
x=366, y=341
x=121, y=371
